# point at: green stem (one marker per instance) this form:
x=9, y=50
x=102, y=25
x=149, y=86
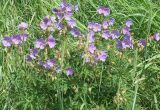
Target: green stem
x=62, y=68
x=135, y=96
x=156, y=102
x=119, y=86
x=136, y=86
x=100, y=82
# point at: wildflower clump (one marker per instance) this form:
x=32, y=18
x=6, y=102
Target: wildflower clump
x=17, y=39
x=59, y=26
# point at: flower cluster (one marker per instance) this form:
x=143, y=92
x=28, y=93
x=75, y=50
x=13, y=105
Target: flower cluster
x=41, y=43
x=16, y=39
x=127, y=41
x=92, y=54
x=48, y=64
x=103, y=11
x=62, y=16
x=62, y=21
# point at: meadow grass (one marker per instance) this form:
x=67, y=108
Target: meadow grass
x=128, y=82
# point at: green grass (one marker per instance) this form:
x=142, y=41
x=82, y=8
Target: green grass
x=117, y=84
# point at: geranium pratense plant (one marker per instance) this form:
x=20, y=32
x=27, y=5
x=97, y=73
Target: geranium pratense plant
x=60, y=22
x=60, y=25
x=53, y=51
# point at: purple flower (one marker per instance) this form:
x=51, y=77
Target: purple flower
x=65, y=7
x=71, y=23
x=63, y=4
x=29, y=58
x=45, y=23
x=51, y=63
x=106, y=34
x=102, y=56
x=58, y=25
x=51, y=41
x=119, y=44
x=90, y=25
x=24, y=37
x=111, y=21
x=91, y=48
x=142, y=43
x=16, y=39
x=69, y=71
x=33, y=54
x=34, y=51
x=126, y=31
x=22, y=26
x=6, y=42
x=157, y=36
x=97, y=27
x=46, y=66
x=94, y=26
x=105, y=24
x=68, y=8
x=129, y=23
x=115, y=34
x=68, y=16
x=59, y=11
x=59, y=15
x=127, y=42
x=40, y=43
x=103, y=11
x=76, y=7
x=90, y=36
x=75, y=32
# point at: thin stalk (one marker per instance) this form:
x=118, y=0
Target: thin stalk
x=145, y=57
x=148, y=35
x=155, y=101
x=100, y=82
x=119, y=86
x=62, y=68
x=135, y=96
x=46, y=53
x=136, y=85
